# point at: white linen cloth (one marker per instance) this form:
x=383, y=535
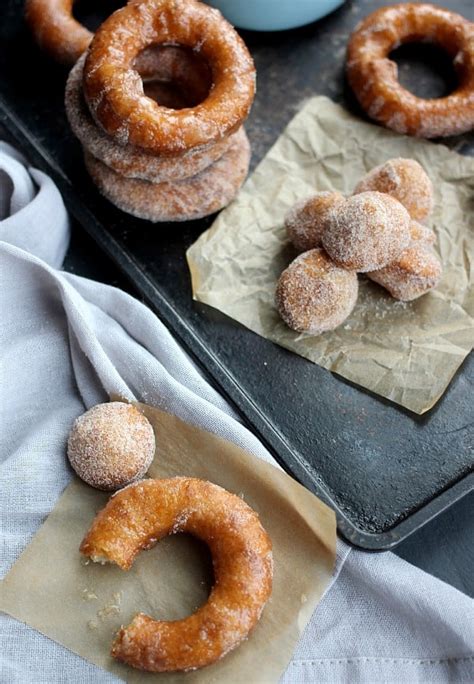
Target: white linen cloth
x=66, y=342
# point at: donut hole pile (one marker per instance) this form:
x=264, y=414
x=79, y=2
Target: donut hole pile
x=376, y=231
x=158, y=102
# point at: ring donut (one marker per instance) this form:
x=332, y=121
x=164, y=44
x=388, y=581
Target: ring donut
x=55, y=29
x=374, y=79
x=114, y=90
x=183, y=200
x=128, y=160
x=136, y=518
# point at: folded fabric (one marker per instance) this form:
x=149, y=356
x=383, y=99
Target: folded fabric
x=68, y=343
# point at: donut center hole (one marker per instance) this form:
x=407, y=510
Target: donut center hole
x=92, y=14
x=425, y=70
x=176, y=576
x=174, y=76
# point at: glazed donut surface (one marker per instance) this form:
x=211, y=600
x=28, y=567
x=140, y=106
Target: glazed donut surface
x=138, y=516
x=374, y=77
x=56, y=30
x=114, y=90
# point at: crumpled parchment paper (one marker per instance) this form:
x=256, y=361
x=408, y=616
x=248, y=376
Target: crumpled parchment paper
x=81, y=604
x=406, y=352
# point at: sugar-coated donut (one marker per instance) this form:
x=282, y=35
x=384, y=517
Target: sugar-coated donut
x=114, y=90
x=183, y=200
x=374, y=78
x=314, y=295
x=367, y=231
x=306, y=221
x=55, y=29
x=404, y=179
x=420, y=233
x=414, y=273
x=136, y=518
x=128, y=160
x=111, y=445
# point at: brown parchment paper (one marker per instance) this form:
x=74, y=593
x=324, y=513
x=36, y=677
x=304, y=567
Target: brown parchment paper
x=406, y=352
x=81, y=606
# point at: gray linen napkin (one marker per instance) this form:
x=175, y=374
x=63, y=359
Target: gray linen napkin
x=66, y=343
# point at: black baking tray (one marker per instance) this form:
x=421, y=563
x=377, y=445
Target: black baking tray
x=384, y=470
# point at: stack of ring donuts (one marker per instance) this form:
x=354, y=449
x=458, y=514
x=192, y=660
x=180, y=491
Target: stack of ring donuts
x=376, y=231
x=158, y=101
x=374, y=79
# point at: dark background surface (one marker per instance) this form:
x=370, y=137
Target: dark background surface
x=387, y=479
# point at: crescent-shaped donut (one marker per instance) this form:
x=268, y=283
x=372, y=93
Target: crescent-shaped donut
x=141, y=514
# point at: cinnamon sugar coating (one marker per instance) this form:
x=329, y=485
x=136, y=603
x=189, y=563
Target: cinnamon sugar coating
x=374, y=78
x=136, y=518
x=111, y=445
x=306, y=221
x=314, y=295
x=55, y=29
x=404, y=179
x=367, y=232
x=182, y=200
x=130, y=161
x=114, y=90
x=415, y=272
x=420, y=233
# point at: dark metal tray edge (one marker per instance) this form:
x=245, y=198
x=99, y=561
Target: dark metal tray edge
x=216, y=372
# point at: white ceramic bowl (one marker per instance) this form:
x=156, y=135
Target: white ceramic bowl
x=274, y=15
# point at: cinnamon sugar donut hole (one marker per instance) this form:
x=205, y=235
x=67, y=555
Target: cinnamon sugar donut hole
x=183, y=200
x=128, y=160
x=314, y=295
x=136, y=519
x=415, y=272
x=367, y=232
x=114, y=90
x=306, y=221
x=420, y=233
x=404, y=179
x=111, y=445
x=374, y=77
x=55, y=29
